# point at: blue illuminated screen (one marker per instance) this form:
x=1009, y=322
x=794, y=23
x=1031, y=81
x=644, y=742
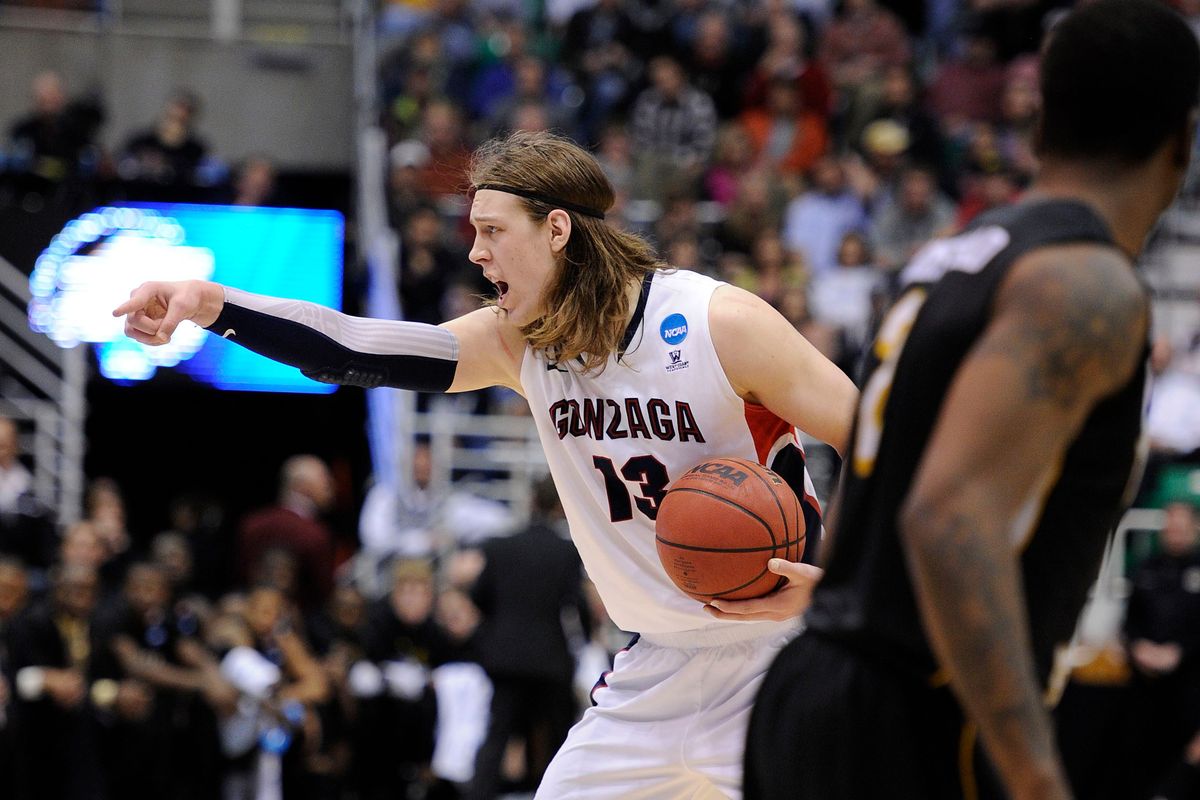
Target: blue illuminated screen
x=282, y=252
x=95, y=261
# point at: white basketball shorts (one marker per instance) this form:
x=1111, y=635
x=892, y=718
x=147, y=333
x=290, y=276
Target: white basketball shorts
x=669, y=722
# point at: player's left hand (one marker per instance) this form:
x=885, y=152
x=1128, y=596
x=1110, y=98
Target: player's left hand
x=790, y=600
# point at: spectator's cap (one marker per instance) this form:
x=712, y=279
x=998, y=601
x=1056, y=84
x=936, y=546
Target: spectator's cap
x=409, y=153
x=885, y=137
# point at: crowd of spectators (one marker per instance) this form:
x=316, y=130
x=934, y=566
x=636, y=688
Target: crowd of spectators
x=248, y=659
x=802, y=150
x=54, y=164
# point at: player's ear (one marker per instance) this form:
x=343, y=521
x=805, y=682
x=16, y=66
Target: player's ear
x=558, y=224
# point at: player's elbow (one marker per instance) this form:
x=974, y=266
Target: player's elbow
x=920, y=518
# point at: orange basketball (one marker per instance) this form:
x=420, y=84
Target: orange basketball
x=721, y=522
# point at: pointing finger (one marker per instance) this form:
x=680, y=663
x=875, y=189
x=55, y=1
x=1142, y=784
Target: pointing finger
x=138, y=299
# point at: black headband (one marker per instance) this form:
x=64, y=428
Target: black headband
x=541, y=198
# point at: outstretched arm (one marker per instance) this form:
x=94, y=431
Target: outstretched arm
x=1068, y=328
x=327, y=345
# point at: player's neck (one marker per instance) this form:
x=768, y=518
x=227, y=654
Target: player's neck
x=1122, y=200
x=633, y=293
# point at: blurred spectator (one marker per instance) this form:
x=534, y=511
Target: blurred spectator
x=411, y=75
x=714, y=59
x=494, y=81
x=209, y=543
x=615, y=154
x=81, y=547
x=528, y=580
x=1162, y=630
x=985, y=191
x=512, y=75
x=535, y=83
x=14, y=595
x=104, y=507
x=759, y=202
x=732, y=158
x=843, y=296
x=786, y=58
x=26, y=525
x=426, y=267
x=674, y=128
x=775, y=268
x=682, y=251
x=336, y=635
x=918, y=213
x=900, y=104
x=1173, y=423
x=884, y=145
x=816, y=222
x=463, y=697
x=786, y=137
x=169, y=552
x=529, y=115
x=596, y=48
x=294, y=525
x=335, y=631
x=50, y=650
x=736, y=268
x=406, y=193
x=254, y=182
x=442, y=132
x=170, y=152
x=794, y=306
x=169, y=748
x=396, y=522
x=57, y=138
x=283, y=684
x=858, y=45
x=455, y=25
x=394, y=740
x=965, y=88
x=679, y=218
x=1019, y=108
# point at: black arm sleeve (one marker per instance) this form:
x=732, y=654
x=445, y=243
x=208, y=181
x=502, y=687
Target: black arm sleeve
x=331, y=347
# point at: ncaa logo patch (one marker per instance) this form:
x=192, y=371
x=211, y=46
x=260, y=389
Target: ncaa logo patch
x=674, y=329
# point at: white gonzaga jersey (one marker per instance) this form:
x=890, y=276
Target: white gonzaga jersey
x=615, y=440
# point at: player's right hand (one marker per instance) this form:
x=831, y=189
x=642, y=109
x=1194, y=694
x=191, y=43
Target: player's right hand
x=155, y=309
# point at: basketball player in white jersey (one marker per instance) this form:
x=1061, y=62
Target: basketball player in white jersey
x=634, y=373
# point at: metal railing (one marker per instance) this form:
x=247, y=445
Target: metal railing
x=43, y=390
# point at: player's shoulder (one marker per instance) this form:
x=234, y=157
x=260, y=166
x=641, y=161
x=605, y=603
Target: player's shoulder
x=1080, y=304
x=1081, y=275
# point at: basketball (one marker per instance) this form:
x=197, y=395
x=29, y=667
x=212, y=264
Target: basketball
x=721, y=522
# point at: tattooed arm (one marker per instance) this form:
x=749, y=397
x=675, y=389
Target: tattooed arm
x=1068, y=327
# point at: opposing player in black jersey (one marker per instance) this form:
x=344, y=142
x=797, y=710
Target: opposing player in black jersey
x=997, y=434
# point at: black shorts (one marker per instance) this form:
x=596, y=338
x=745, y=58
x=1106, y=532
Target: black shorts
x=830, y=725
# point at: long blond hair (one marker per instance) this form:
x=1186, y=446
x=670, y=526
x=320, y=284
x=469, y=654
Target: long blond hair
x=587, y=298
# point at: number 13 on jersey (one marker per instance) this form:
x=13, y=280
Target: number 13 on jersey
x=647, y=472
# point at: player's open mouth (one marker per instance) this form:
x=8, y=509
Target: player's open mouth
x=501, y=290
